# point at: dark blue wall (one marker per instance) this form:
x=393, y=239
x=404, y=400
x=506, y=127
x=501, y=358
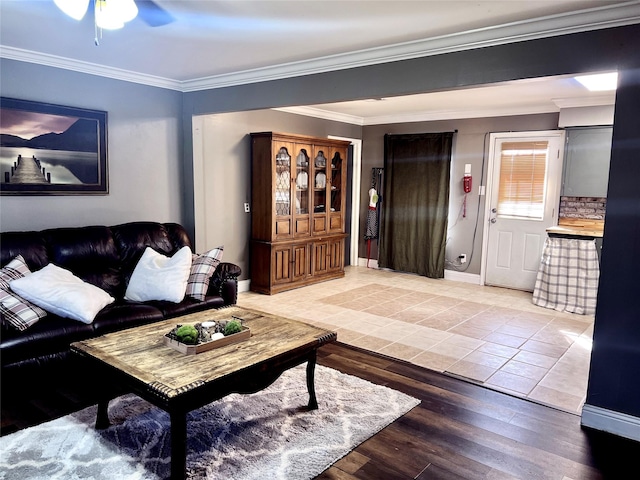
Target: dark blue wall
x=614, y=380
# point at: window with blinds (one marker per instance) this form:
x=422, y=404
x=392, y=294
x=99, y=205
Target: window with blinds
x=523, y=171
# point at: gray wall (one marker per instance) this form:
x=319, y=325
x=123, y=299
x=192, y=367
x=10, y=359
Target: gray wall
x=227, y=181
x=470, y=145
x=144, y=158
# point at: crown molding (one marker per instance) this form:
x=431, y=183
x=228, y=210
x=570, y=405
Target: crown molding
x=323, y=114
x=87, y=67
x=574, y=22
x=590, y=101
x=430, y=116
x=610, y=16
x=433, y=116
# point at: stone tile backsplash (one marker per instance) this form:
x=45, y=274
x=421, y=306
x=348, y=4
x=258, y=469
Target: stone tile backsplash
x=592, y=208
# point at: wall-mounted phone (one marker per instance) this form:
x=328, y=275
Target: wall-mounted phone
x=466, y=183
x=466, y=186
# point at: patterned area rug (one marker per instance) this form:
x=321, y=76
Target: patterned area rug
x=263, y=435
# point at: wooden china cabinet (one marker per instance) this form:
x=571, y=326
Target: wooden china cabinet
x=298, y=186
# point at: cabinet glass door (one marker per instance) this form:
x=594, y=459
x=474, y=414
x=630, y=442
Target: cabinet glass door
x=320, y=187
x=320, y=183
x=302, y=185
x=302, y=182
x=283, y=182
x=336, y=182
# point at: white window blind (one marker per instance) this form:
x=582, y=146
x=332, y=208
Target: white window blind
x=523, y=168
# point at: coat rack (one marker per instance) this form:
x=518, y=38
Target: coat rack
x=373, y=212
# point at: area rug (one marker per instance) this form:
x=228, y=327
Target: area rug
x=258, y=436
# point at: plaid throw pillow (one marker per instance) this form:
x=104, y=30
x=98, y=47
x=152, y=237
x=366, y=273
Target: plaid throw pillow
x=16, y=268
x=17, y=311
x=202, y=268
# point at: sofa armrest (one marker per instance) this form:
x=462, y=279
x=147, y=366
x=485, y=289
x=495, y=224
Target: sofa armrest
x=224, y=282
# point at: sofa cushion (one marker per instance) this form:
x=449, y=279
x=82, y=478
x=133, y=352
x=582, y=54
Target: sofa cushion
x=90, y=253
x=59, y=291
x=202, y=269
x=51, y=335
x=123, y=314
x=157, y=277
x=133, y=238
x=31, y=245
x=188, y=305
x=17, y=311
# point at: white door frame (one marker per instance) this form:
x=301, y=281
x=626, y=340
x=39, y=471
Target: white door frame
x=199, y=187
x=355, y=195
x=490, y=180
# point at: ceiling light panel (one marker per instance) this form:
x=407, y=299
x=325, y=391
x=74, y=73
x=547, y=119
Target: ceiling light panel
x=599, y=82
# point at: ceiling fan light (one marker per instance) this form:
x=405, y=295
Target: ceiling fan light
x=107, y=21
x=127, y=9
x=74, y=8
x=112, y=14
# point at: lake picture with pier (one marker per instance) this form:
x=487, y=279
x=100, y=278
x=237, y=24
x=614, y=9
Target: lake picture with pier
x=57, y=166
x=47, y=152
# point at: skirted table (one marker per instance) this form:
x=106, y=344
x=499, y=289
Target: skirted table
x=568, y=277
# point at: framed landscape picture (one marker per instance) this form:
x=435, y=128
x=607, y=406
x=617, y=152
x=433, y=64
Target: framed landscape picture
x=52, y=149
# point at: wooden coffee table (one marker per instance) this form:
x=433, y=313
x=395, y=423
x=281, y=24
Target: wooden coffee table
x=139, y=360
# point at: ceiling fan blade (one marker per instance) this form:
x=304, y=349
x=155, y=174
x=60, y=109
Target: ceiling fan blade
x=153, y=14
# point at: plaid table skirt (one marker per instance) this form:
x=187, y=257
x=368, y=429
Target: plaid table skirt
x=568, y=277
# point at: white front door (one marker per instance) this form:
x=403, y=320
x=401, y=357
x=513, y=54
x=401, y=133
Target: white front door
x=523, y=184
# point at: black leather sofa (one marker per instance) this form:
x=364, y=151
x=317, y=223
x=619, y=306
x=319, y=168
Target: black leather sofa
x=105, y=257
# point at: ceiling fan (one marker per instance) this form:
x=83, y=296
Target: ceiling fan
x=113, y=14
x=153, y=14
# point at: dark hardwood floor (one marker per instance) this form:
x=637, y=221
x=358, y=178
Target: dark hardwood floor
x=464, y=431
x=459, y=430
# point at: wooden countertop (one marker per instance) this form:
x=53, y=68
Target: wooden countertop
x=577, y=227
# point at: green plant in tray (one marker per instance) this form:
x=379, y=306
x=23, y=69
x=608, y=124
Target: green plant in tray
x=234, y=326
x=187, y=334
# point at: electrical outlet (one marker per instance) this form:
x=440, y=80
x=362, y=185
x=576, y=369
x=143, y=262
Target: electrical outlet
x=462, y=257
x=246, y=208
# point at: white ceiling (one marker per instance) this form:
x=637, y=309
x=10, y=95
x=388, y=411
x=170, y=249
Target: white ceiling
x=218, y=43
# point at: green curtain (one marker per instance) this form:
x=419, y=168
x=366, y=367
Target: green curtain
x=415, y=204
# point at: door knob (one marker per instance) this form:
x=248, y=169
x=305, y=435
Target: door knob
x=493, y=210
x=493, y=220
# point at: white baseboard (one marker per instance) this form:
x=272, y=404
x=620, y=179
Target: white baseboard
x=609, y=421
x=462, y=277
x=243, y=285
x=448, y=274
x=373, y=263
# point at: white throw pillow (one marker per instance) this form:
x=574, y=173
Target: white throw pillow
x=157, y=277
x=59, y=291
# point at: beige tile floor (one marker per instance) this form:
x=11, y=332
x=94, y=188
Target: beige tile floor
x=492, y=336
